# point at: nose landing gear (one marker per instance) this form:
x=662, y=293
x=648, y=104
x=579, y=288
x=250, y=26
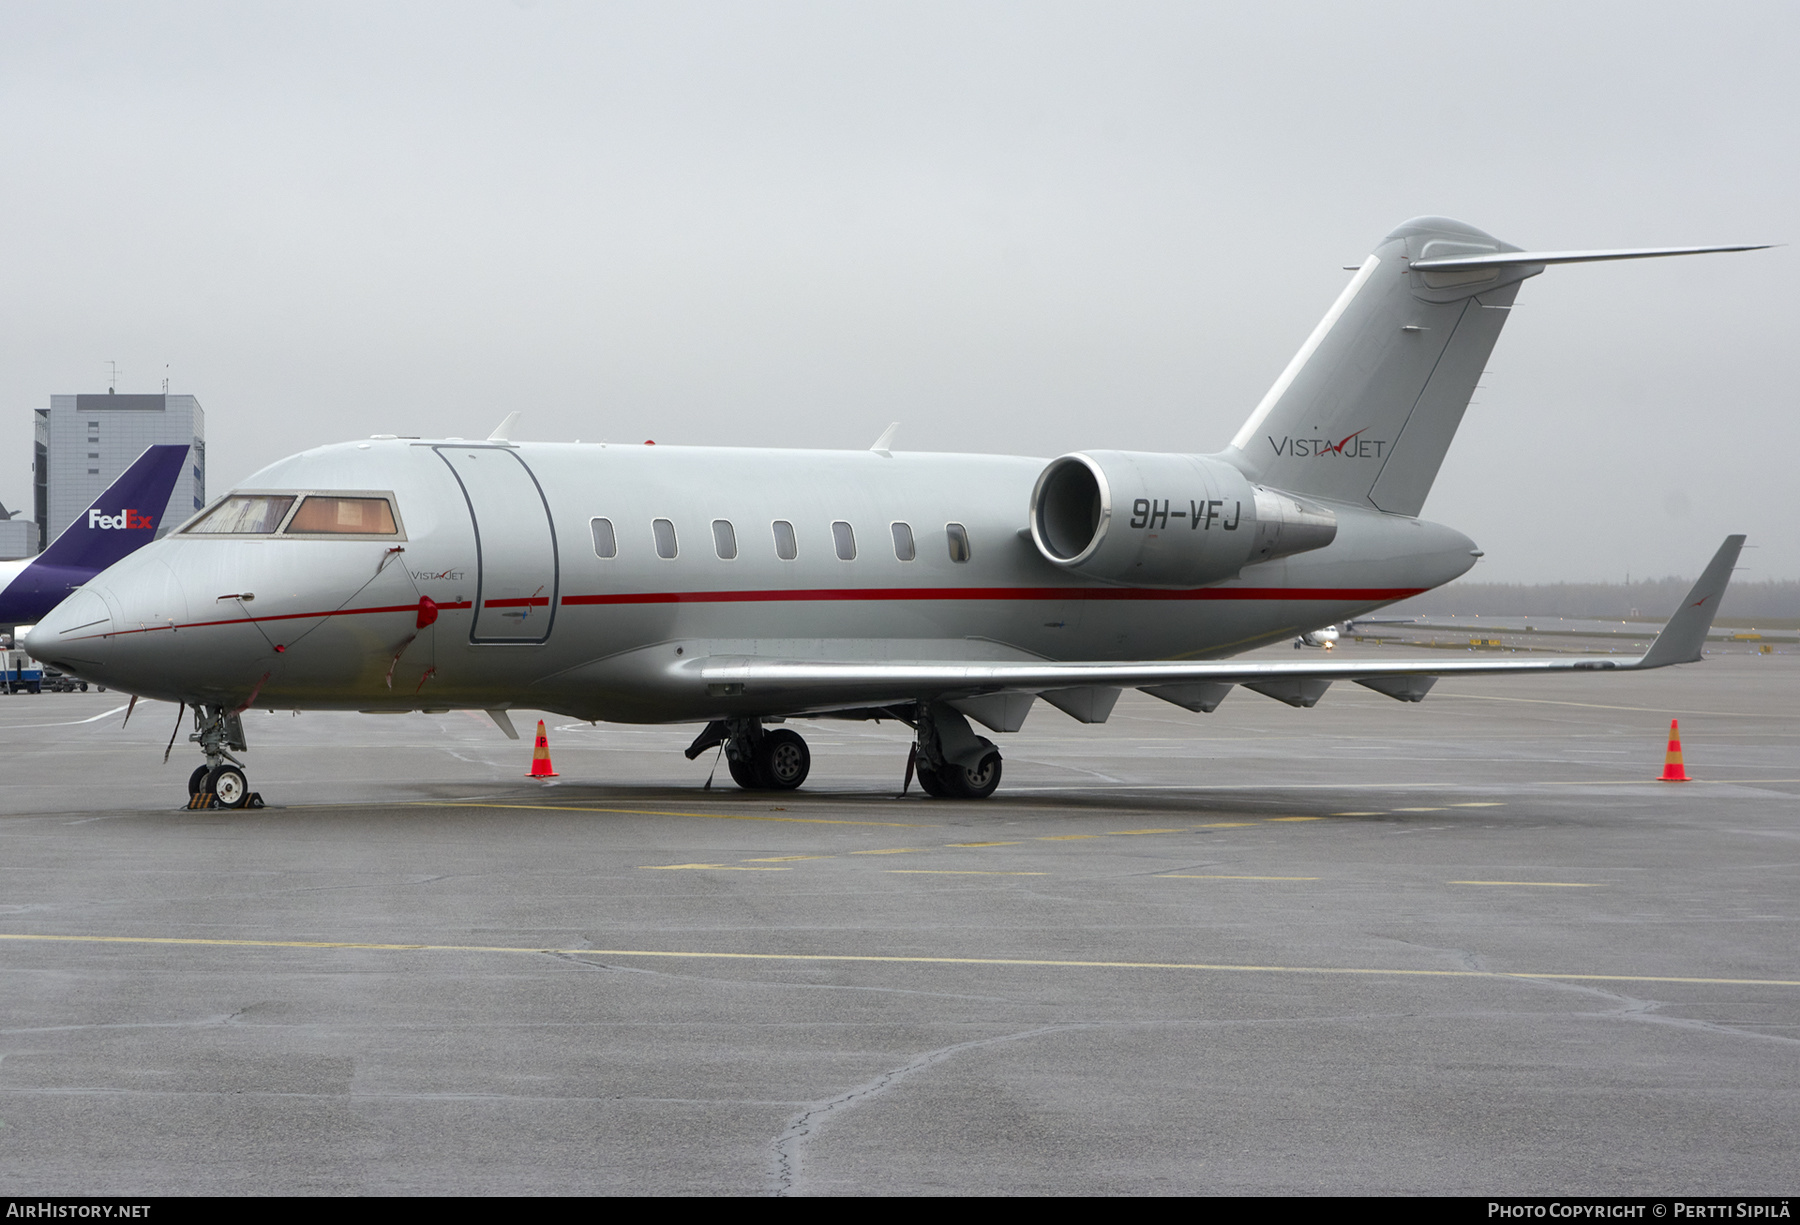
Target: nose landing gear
x=222, y=782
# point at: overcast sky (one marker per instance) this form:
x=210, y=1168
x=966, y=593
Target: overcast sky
x=1025, y=228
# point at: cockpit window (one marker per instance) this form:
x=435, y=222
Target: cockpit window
x=247, y=515
x=330, y=515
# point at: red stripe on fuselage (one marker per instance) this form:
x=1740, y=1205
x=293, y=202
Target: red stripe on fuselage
x=838, y=594
x=335, y=612
x=804, y=595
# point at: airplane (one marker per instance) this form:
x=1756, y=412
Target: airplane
x=744, y=588
x=1325, y=637
x=121, y=520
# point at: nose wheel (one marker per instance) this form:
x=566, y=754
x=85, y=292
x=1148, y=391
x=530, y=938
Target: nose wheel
x=221, y=782
x=229, y=786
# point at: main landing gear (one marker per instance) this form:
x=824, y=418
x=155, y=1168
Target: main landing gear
x=759, y=760
x=949, y=760
x=952, y=762
x=222, y=782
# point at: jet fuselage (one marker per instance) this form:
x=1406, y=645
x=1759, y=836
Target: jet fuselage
x=498, y=542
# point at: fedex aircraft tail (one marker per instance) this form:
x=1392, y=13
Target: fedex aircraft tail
x=121, y=520
x=1365, y=411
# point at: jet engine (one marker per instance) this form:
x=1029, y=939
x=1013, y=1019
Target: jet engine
x=1156, y=520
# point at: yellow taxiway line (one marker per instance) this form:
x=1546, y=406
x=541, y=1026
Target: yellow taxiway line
x=650, y=812
x=893, y=959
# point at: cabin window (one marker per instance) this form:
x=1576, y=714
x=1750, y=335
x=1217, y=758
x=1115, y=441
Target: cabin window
x=664, y=532
x=606, y=542
x=845, y=540
x=903, y=542
x=958, y=537
x=245, y=515
x=327, y=515
x=786, y=548
x=724, y=539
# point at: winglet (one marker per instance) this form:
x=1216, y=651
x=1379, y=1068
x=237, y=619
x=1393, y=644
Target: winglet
x=885, y=441
x=1683, y=638
x=503, y=431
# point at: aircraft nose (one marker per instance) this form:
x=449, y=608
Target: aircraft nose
x=76, y=634
x=114, y=630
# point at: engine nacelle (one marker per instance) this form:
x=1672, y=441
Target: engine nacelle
x=1157, y=520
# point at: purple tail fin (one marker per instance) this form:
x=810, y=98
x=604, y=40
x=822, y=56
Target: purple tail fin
x=121, y=520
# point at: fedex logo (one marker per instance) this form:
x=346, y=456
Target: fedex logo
x=131, y=519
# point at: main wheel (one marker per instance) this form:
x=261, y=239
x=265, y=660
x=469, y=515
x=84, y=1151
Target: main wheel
x=197, y=779
x=743, y=773
x=783, y=760
x=930, y=781
x=229, y=786
x=976, y=784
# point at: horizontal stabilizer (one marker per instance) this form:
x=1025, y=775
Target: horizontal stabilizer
x=1506, y=258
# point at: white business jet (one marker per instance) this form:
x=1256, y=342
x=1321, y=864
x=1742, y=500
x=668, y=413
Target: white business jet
x=745, y=588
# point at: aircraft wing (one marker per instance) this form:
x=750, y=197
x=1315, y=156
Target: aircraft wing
x=819, y=685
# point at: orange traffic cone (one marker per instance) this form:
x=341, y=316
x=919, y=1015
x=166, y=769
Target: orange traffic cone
x=540, y=756
x=1672, y=771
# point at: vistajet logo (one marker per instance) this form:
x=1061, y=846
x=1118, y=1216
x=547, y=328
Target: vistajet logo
x=125, y=520
x=1355, y=446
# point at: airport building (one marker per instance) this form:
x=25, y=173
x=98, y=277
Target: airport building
x=84, y=442
x=18, y=535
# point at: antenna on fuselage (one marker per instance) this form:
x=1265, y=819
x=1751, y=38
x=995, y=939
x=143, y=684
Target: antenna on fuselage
x=503, y=431
x=885, y=441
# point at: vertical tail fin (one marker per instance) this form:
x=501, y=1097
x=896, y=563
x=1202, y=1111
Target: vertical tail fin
x=121, y=520
x=1365, y=411
x=1367, y=408
x=124, y=517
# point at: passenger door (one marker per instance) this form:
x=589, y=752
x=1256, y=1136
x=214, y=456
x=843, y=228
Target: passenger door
x=515, y=544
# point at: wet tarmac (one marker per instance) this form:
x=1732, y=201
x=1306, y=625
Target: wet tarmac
x=1469, y=946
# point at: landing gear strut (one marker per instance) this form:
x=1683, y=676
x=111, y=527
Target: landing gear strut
x=952, y=762
x=759, y=760
x=218, y=731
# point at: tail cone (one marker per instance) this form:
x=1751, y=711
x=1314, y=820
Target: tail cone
x=1672, y=770
x=540, y=756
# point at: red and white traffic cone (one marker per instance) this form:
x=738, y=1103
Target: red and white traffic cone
x=540, y=756
x=1672, y=770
